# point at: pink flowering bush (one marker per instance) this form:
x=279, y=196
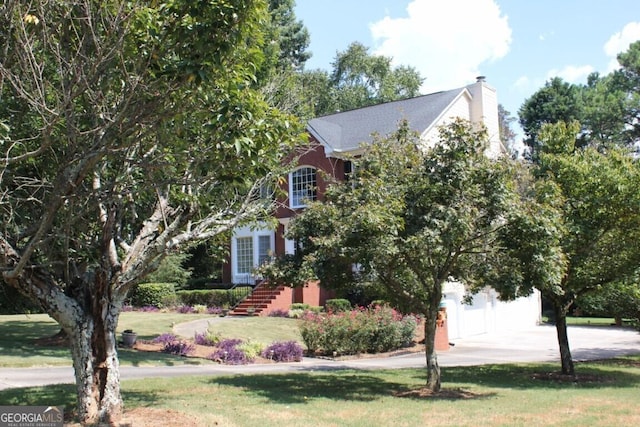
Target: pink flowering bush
x=362, y=330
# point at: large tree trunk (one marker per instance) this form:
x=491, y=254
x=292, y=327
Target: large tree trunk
x=563, y=339
x=95, y=361
x=91, y=330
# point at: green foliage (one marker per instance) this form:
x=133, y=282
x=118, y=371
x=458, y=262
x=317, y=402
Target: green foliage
x=337, y=305
x=213, y=297
x=408, y=220
x=150, y=134
x=152, y=294
x=291, y=36
x=358, y=79
x=581, y=226
x=171, y=270
x=507, y=134
x=606, y=107
x=299, y=306
x=618, y=300
x=12, y=302
x=373, y=330
x=556, y=101
x=251, y=349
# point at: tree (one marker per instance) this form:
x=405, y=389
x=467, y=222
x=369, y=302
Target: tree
x=127, y=130
x=292, y=36
x=627, y=78
x=588, y=216
x=507, y=135
x=556, y=101
x=359, y=79
x=407, y=222
x=620, y=300
x=607, y=107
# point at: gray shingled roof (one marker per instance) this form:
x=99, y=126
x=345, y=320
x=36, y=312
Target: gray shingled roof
x=346, y=131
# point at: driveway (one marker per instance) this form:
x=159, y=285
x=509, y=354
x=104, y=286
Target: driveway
x=537, y=344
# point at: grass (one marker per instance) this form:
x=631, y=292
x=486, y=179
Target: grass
x=18, y=333
x=588, y=321
x=264, y=330
x=496, y=395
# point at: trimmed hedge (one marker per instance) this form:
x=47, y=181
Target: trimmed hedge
x=213, y=297
x=152, y=294
x=338, y=305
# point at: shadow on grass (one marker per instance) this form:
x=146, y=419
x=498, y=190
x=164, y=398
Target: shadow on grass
x=131, y=357
x=17, y=339
x=339, y=386
x=589, y=375
x=298, y=387
x=64, y=395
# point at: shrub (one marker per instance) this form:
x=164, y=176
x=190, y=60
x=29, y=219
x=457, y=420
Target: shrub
x=279, y=313
x=200, y=308
x=152, y=294
x=208, y=338
x=296, y=314
x=171, y=270
x=251, y=349
x=185, y=309
x=165, y=338
x=179, y=348
x=338, y=305
x=213, y=297
x=149, y=309
x=283, y=351
x=215, y=310
x=299, y=306
x=372, y=330
x=227, y=352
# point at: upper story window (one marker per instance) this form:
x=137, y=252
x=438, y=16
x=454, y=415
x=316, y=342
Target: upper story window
x=302, y=186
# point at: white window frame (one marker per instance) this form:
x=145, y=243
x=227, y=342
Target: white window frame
x=295, y=200
x=255, y=235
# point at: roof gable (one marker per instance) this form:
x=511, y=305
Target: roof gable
x=346, y=131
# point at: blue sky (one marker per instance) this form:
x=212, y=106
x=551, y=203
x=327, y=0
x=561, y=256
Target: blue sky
x=517, y=44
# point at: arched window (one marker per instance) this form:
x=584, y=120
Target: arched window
x=302, y=186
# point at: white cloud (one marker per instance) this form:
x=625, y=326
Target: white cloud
x=445, y=40
x=523, y=82
x=620, y=41
x=572, y=73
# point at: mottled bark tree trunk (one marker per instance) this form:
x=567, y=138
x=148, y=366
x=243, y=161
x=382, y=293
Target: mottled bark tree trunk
x=95, y=362
x=563, y=339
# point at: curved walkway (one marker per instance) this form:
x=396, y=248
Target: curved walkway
x=537, y=344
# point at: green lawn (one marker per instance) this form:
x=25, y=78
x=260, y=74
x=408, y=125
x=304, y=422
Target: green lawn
x=588, y=321
x=493, y=395
x=264, y=330
x=18, y=333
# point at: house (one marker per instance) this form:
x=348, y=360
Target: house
x=334, y=139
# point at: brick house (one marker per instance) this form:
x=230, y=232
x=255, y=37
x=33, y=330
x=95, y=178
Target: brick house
x=333, y=139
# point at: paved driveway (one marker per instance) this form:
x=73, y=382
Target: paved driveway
x=537, y=344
